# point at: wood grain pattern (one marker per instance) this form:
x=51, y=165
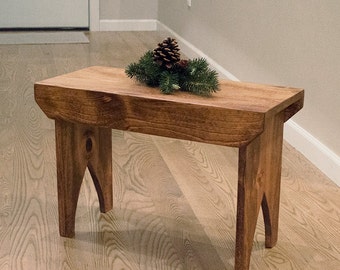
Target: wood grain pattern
x=259, y=180
x=78, y=147
x=233, y=117
x=197, y=219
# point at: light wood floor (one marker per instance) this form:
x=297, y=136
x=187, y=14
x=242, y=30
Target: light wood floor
x=174, y=201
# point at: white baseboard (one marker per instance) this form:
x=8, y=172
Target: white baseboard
x=316, y=152
x=128, y=25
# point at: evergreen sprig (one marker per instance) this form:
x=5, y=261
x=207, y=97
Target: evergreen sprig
x=193, y=76
x=200, y=79
x=168, y=82
x=146, y=70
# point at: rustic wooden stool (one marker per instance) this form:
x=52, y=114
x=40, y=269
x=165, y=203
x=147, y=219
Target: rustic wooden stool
x=88, y=103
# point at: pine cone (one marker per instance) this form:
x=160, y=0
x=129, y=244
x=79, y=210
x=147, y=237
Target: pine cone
x=182, y=64
x=167, y=53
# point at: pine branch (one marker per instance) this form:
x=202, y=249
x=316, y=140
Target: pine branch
x=197, y=66
x=200, y=79
x=168, y=82
x=145, y=71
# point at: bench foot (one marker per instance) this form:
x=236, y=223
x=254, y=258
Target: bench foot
x=77, y=147
x=259, y=185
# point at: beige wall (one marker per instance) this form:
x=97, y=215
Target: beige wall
x=294, y=43
x=128, y=9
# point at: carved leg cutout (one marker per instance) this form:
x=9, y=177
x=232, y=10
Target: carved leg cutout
x=78, y=146
x=100, y=167
x=271, y=218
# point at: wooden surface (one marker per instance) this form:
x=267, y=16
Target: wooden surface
x=234, y=116
x=259, y=178
x=79, y=147
x=169, y=212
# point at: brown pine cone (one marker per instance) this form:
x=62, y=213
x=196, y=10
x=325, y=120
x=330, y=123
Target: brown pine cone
x=167, y=53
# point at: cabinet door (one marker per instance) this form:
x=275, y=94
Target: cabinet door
x=44, y=13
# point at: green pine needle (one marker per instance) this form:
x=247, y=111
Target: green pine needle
x=168, y=82
x=197, y=66
x=145, y=71
x=200, y=79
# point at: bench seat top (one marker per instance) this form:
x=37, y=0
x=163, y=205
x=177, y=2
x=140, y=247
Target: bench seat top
x=106, y=97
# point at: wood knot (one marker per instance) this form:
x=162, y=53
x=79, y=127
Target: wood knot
x=88, y=145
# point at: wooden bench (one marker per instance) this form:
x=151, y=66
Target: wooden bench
x=88, y=103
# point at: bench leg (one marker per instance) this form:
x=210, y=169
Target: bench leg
x=259, y=184
x=79, y=146
x=273, y=164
